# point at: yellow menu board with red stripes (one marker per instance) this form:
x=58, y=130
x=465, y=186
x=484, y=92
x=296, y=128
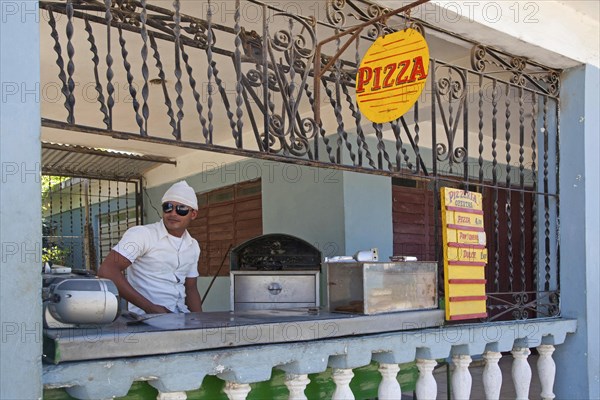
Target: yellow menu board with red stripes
x=465, y=254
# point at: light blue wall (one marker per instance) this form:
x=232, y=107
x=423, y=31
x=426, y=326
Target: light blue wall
x=308, y=203
x=368, y=214
x=578, y=359
x=20, y=202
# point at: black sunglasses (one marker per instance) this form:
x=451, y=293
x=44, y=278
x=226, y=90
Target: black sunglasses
x=180, y=209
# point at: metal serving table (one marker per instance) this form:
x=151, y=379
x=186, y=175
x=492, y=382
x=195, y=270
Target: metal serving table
x=174, y=333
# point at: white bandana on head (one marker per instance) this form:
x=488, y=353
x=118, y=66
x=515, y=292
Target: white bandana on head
x=182, y=193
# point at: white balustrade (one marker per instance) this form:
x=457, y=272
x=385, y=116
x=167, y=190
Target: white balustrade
x=521, y=372
x=389, y=388
x=461, y=377
x=171, y=396
x=236, y=391
x=306, y=356
x=296, y=384
x=546, y=371
x=426, y=387
x=342, y=378
x=492, y=375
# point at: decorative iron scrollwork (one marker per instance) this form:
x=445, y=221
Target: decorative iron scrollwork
x=521, y=302
x=522, y=70
x=198, y=31
x=335, y=14
x=289, y=133
x=554, y=304
x=450, y=94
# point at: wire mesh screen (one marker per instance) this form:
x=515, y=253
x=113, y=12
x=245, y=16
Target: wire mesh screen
x=84, y=218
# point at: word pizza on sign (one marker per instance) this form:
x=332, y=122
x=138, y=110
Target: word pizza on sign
x=392, y=75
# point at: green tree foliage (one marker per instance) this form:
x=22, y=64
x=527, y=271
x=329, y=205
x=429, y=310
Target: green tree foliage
x=51, y=252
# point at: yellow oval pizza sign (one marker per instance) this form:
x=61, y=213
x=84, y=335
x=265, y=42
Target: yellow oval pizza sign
x=392, y=75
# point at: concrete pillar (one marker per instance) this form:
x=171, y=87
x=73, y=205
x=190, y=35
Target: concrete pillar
x=389, y=388
x=426, y=387
x=20, y=202
x=521, y=372
x=461, y=378
x=579, y=358
x=546, y=370
x=492, y=375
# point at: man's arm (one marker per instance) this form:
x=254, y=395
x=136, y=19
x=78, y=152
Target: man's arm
x=192, y=297
x=112, y=268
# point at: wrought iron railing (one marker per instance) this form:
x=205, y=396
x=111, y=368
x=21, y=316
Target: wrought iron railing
x=239, y=81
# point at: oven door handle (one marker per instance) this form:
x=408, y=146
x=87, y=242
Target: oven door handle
x=274, y=288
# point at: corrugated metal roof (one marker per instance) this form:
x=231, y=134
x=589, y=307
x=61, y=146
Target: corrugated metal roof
x=62, y=159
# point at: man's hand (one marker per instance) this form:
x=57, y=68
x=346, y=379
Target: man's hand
x=157, y=309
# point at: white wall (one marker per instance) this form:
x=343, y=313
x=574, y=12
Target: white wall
x=554, y=33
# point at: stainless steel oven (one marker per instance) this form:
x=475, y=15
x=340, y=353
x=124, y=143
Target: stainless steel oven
x=275, y=271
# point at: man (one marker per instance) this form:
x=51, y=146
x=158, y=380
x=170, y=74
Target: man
x=162, y=259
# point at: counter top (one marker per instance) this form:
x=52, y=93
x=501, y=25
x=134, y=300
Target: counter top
x=174, y=333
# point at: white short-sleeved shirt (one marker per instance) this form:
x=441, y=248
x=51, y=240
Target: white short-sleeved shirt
x=159, y=264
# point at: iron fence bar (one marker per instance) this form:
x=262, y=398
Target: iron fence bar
x=557, y=182
x=434, y=159
x=522, y=187
x=237, y=132
x=144, y=54
x=420, y=165
x=110, y=89
x=546, y=199
x=100, y=219
x=321, y=130
x=415, y=143
x=265, y=82
x=126, y=209
x=248, y=89
x=400, y=147
x=381, y=148
x=534, y=206
x=81, y=224
x=209, y=70
x=508, y=205
x=224, y=98
x=70, y=63
x=480, y=135
x=360, y=136
x=71, y=244
x=465, y=146
x=288, y=98
x=130, y=78
x=59, y=61
x=109, y=214
x=178, y=72
x=96, y=61
x=495, y=184
x=354, y=108
x=139, y=202
x=60, y=214
x=328, y=147
x=336, y=103
x=197, y=98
